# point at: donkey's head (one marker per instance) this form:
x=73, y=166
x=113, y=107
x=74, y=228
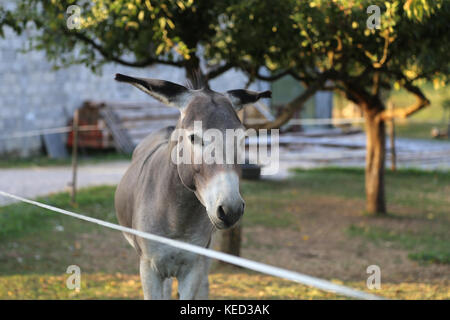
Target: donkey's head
x=207, y=118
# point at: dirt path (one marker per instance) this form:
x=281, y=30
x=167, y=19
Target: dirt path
x=40, y=181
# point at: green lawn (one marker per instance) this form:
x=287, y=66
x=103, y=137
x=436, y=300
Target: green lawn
x=432, y=246
x=233, y=284
x=44, y=161
x=21, y=219
x=409, y=187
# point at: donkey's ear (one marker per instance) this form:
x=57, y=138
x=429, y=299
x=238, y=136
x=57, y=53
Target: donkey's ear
x=167, y=92
x=239, y=98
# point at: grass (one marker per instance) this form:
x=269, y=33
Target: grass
x=266, y=201
x=428, y=190
x=34, y=254
x=226, y=285
x=432, y=246
x=419, y=130
x=263, y=204
x=36, y=232
x=20, y=219
x=44, y=161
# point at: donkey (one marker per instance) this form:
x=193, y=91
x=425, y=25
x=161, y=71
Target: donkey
x=181, y=201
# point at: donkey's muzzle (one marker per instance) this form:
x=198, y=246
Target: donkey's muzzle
x=229, y=215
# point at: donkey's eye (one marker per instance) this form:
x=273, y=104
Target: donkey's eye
x=196, y=139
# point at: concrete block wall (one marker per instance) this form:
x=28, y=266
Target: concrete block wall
x=34, y=96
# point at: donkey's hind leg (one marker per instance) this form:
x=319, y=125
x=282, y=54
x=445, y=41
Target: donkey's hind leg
x=152, y=282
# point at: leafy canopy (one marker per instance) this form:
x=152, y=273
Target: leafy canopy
x=310, y=38
x=314, y=41
x=131, y=32
x=327, y=45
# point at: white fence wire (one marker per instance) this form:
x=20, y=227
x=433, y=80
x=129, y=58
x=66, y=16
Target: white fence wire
x=238, y=261
x=39, y=132
x=304, y=122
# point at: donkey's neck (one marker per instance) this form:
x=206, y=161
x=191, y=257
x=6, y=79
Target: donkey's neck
x=186, y=217
x=175, y=186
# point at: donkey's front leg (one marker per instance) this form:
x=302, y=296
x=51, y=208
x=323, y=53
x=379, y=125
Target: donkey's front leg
x=193, y=283
x=203, y=291
x=152, y=282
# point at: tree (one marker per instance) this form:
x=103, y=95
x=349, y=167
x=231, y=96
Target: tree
x=135, y=33
x=328, y=45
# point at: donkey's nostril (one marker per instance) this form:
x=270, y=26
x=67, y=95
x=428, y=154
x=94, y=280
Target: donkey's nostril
x=224, y=216
x=221, y=213
x=229, y=216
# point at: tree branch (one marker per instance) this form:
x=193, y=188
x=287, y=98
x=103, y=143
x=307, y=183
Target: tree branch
x=421, y=103
x=271, y=77
x=218, y=71
x=334, y=87
x=109, y=56
x=280, y=75
x=289, y=110
x=376, y=83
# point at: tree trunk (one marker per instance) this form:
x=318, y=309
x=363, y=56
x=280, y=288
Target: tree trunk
x=375, y=158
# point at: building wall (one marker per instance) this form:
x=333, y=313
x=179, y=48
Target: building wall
x=34, y=96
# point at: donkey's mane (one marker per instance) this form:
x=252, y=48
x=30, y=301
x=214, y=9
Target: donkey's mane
x=197, y=80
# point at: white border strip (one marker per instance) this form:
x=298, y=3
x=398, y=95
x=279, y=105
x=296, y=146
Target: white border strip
x=242, y=262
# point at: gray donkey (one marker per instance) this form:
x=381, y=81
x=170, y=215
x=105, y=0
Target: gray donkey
x=181, y=201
